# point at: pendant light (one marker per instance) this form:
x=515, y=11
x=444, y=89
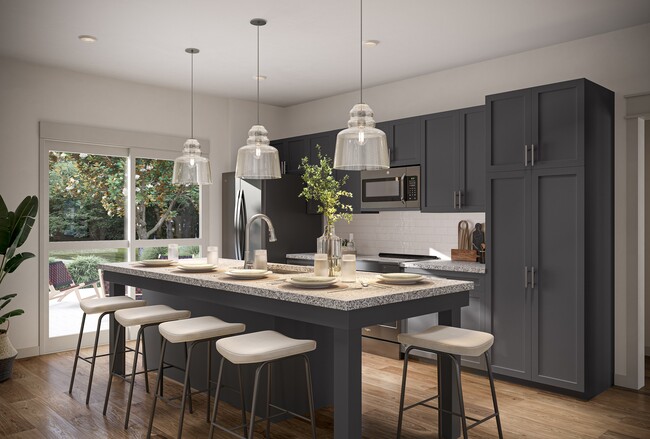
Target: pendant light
x=258, y=160
x=192, y=167
x=361, y=146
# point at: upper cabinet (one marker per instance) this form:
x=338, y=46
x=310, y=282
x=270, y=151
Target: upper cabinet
x=453, y=167
x=536, y=127
x=298, y=148
x=404, y=137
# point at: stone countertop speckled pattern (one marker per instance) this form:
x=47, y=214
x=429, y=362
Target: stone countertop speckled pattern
x=427, y=264
x=343, y=296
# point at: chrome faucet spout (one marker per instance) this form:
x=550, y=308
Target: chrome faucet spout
x=248, y=259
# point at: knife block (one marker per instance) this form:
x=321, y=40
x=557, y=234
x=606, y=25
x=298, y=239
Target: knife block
x=463, y=255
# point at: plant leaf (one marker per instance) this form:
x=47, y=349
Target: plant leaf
x=24, y=221
x=14, y=313
x=15, y=261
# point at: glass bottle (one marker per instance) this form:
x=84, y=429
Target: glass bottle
x=330, y=244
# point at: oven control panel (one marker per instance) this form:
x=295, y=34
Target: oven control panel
x=411, y=188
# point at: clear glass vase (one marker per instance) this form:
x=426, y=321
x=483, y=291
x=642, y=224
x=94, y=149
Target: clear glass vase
x=330, y=244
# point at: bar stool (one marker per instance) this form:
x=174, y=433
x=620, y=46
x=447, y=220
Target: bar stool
x=145, y=317
x=450, y=341
x=102, y=306
x=263, y=348
x=194, y=331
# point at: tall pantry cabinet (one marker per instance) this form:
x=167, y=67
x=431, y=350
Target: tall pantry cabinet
x=550, y=200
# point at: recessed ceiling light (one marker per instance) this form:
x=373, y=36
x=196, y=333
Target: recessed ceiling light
x=259, y=78
x=370, y=43
x=87, y=38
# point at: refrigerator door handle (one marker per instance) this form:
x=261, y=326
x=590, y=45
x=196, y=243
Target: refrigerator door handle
x=239, y=226
x=243, y=215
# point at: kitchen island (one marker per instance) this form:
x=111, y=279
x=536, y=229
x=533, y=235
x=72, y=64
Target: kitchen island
x=333, y=316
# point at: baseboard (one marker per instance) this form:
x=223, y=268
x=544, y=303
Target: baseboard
x=28, y=352
x=627, y=382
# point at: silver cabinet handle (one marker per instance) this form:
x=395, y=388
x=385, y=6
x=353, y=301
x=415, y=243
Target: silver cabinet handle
x=460, y=200
x=532, y=155
x=525, y=155
x=532, y=277
x=525, y=277
x=454, y=199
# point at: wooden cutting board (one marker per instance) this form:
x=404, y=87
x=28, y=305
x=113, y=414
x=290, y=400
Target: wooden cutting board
x=463, y=255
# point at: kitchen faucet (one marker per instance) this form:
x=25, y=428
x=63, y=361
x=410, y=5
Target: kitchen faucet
x=248, y=260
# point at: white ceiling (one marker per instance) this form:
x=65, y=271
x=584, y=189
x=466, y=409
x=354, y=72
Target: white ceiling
x=309, y=48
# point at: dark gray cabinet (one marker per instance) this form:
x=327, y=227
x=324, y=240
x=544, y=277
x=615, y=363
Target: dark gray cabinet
x=536, y=128
x=550, y=247
x=281, y=146
x=475, y=316
x=297, y=147
x=404, y=137
x=454, y=161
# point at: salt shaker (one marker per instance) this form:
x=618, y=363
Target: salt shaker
x=321, y=267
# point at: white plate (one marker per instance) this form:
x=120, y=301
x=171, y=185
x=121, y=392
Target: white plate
x=239, y=273
x=157, y=262
x=312, y=281
x=197, y=267
x=400, y=278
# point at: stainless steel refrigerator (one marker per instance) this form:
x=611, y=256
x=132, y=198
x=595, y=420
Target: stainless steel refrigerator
x=295, y=229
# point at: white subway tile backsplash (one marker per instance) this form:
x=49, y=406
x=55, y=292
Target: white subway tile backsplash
x=407, y=232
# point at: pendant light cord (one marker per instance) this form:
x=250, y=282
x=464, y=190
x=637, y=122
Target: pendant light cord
x=258, y=75
x=192, y=97
x=361, y=51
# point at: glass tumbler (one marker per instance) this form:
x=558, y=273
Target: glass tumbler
x=213, y=255
x=172, y=252
x=259, y=263
x=321, y=267
x=348, y=268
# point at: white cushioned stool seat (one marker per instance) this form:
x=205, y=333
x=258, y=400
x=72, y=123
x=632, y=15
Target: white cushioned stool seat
x=198, y=328
x=449, y=339
x=258, y=347
x=147, y=315
x=109, y=304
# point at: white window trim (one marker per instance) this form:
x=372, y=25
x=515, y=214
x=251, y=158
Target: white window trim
x=103, y=141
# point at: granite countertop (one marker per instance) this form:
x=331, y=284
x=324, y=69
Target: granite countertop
x=342, y=296
x=426, y=264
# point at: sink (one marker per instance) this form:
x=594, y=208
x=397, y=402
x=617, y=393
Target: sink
x=289, y=269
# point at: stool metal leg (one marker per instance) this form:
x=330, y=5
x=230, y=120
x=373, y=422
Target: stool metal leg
x=402, y=392
x=135, y=365
x=494, y=394
x=460, y=395
x=209, y=379
x=76, y=355
x=216, y=399
x=439, y=384
x=189, y=388
x=186, y=389
x=158, y=387
x=255, y=390
x=110, y=370
x=243, y=400
x=144, y=361
x=94, y=357
x=310, y=395
x=268, y=401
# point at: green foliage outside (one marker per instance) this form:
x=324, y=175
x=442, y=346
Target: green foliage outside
x=322, y=187
x=83, y=269
x=87, y=199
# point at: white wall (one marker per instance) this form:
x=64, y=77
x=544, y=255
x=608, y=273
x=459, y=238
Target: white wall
x=31, y=93
x=617, y=60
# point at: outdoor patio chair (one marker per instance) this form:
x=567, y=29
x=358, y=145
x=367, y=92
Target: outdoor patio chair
x=62, y=284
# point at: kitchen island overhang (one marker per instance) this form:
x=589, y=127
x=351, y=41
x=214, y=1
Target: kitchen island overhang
x=337, y=315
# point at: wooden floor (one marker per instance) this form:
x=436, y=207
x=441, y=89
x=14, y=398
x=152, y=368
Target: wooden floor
x=35, y=404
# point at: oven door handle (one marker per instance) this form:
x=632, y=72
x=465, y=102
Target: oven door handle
x=401, y=189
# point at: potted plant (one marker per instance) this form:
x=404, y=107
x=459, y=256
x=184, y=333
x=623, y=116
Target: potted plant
x=322, y=187
x=14, y=230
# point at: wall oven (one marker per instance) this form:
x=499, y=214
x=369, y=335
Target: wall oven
x=391, y=189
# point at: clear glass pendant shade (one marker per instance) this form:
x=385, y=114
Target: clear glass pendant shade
x=257, y=160
x=192, y=167
x=361, y=146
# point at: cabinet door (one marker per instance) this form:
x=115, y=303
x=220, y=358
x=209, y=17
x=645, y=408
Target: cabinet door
x=558, y=290
x=558, y=124
x=472, y=159
x=281, y=146
x=404, y=138
x=508, y=256
x=440, y=173
x=508, y=130
x=327, y=143
x=298, y=148
x=353, y=185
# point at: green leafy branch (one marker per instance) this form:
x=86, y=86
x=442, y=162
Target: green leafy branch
x=323, y=188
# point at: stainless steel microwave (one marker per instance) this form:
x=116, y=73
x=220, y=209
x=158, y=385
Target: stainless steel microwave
x=394, y=189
